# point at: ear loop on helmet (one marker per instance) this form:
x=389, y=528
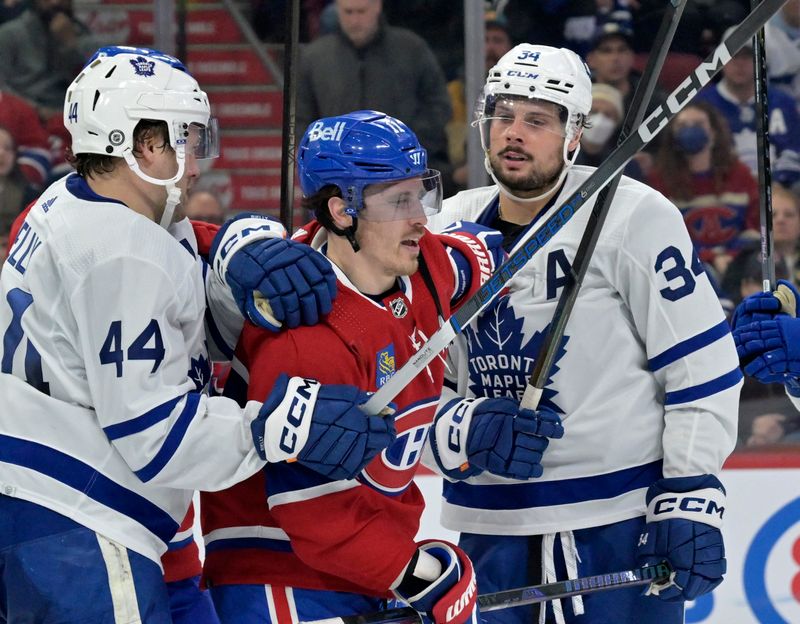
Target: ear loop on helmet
x=566, y=162
x=173, y=192
x=350, y=231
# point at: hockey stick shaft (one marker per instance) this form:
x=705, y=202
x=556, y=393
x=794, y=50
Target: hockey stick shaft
x=764, y=166
x=523, y=595
x=289, y=107
x=534, y=240
x=634, y=117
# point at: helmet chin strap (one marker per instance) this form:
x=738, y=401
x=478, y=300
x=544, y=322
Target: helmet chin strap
x=173, y=192
x=568, y=162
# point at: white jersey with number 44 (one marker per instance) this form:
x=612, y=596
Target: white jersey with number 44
x=104, y=363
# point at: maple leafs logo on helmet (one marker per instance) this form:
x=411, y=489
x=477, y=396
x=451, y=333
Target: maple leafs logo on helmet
x=143, y=67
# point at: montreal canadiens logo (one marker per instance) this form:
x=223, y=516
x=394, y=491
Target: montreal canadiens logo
x=398, y=307
x=774, y=596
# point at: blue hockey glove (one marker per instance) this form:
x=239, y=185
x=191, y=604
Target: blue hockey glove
x=770, y=350
x=321, y=426
x=496, y=435
x=764, y=306
x=684, y=516
x=297, y=282
x=439, y=582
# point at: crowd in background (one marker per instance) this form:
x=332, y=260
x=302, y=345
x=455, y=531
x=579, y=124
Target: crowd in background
x=705, y=161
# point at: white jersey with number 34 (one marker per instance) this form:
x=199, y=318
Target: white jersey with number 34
x=646, y=377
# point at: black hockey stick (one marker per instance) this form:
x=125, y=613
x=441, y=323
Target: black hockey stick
x=764, y=167
x=289, y=106
x=583, y=256
x=535, y=240
x=523, y=595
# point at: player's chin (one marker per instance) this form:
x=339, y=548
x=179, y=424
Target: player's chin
x=406, y=266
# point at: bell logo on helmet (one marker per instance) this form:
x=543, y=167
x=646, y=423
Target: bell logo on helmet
x=143, y=67
x=321, y=132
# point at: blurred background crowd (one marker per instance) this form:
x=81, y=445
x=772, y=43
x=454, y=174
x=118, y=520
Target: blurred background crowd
x=406, y=58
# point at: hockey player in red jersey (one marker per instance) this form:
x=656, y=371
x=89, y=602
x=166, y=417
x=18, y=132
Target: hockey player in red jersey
x=321, y=547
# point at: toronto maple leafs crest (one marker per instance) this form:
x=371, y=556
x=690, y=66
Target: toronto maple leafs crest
x=501, y=357
x=200, y=372
x=143, y=67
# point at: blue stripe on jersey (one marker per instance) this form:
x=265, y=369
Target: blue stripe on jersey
x=213, y=331
x=87, y=481
x=173, y=441
x=181, y=543
x=548, y=493
x=187, y=245
x=690, y=345
x=283, y=477
x=78, y=186
x=703, y=390
x=249, y=542
x=140, y=423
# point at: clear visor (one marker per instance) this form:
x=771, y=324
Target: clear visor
x=202, y=141
x=531, y=115
x=407, y=199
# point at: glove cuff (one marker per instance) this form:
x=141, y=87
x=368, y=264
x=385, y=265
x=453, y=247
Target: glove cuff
x=670, y=498
x=449, y=436
x=238, y=232
x=288, y=419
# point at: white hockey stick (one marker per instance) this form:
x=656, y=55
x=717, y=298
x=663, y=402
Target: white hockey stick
x=533, y=241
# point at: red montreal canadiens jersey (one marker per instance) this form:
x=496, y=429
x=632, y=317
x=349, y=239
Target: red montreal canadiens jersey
x=309, y=531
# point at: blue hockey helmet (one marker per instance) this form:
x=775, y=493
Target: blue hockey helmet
x=362, y=148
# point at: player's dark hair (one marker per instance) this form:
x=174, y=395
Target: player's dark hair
x=87, y=165
x=318, y=205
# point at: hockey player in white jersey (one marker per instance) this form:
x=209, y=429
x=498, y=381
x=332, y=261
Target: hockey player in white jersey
x=646, y=375
x=105, y=430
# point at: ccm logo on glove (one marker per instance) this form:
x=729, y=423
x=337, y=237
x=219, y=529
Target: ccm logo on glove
x=301, y=401
x=298, y=399
x=707, y=506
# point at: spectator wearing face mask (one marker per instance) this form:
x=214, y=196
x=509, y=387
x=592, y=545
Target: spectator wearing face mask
x=601, y=132
x=697, y=168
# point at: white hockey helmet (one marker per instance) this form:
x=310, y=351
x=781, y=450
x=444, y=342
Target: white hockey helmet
x=556, y=75
x=538, y=72
x=121, y=86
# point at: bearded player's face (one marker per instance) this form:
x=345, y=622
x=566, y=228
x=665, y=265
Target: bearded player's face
x=526, y=145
